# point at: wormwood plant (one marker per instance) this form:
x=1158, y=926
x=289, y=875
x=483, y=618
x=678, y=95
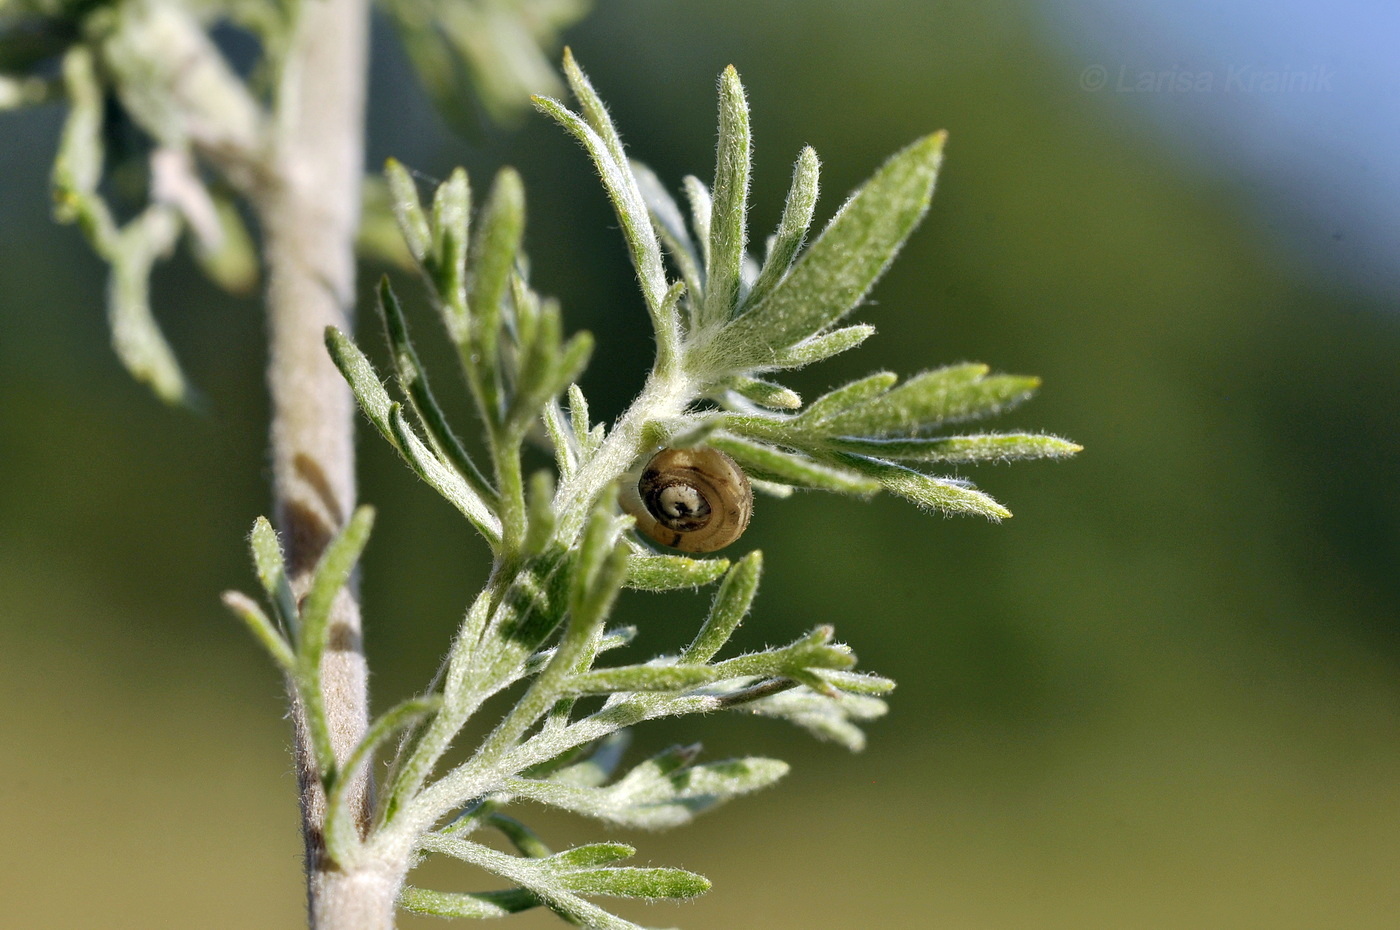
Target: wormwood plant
x=562, y=551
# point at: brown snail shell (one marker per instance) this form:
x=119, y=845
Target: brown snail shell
x=694, y=500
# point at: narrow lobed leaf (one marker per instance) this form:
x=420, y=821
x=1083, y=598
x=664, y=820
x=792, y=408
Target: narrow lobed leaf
x=728, y=230
x=271, y=569
x=561, y=438
x=471, y=905
x=355, y=368
x=648, y=572
x=441, y=478
x=408, y=209
x=653, y=797
x=592, y=107
x=984, y=447
x=342, y=835
x=540, y=513
x=578, y=418
x=636, y=225
x=136, y=337
x=931, y=399
x=727, y=611
x=524, y=839
x=632, y=882
x=413, y=379
x=589, y=855
x=600, y=764
x=670, y=226
x=247, y=610
x=327, y=580
x=931, y=493
x=701, y=211
x=451, y=231
x=792, y=228
x=770, y=463
x=495, y=246
x=848, y=395
x=766, y=393
x=837, y=271
x=825, y=718
x=818, y=348
x=640, y=678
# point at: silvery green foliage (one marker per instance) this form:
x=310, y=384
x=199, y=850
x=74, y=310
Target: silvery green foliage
x=488, y=50
x=562, y=552
x=208, y=133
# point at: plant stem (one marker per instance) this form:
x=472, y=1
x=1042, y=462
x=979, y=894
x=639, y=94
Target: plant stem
x=309, y=210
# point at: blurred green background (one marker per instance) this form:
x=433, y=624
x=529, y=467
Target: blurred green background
x=1164, y=695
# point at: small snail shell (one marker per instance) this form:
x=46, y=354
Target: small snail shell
x=695, y=500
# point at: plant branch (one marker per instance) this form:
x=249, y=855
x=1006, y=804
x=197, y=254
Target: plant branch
x=309, y=208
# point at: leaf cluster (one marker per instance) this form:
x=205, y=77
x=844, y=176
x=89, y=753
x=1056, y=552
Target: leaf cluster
x=151, y=97
x=543, y=751
x=563, y=553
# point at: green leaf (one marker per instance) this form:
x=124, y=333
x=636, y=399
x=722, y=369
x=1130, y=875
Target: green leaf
x=413, y=380
x=858, y=682
x=851, y=394
x=730, y=606
x=765, y=393
x=451, y=224
x=549, y=880
x=984, y=447
x=931, y=399
x=540, y=511
x=946, y=494
x=670, y=226
x=640, y=678
x=651, y=796
x=792, y=228
x=442, y=479
x=605, y=148
x=820, y=348
x=836, y=272
x=600, y=764
x=136, y=337
x=813, y=651
x=728, y=233
x=647, y=572
x=230, y=259
x=589, y=855
x=546, y=375
x=327, y=579
x=495, y=246
x=596, y=548
x=833, y=719
x=341, y=834
x=77, y=169
x=593, y=108
x=524, y=839
x=247, y=610
x=476, y=905
x=769, y=463
x=271, y=569
x=701, y=209
x=561, y=438
x=632, y=882
x=408, y=210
